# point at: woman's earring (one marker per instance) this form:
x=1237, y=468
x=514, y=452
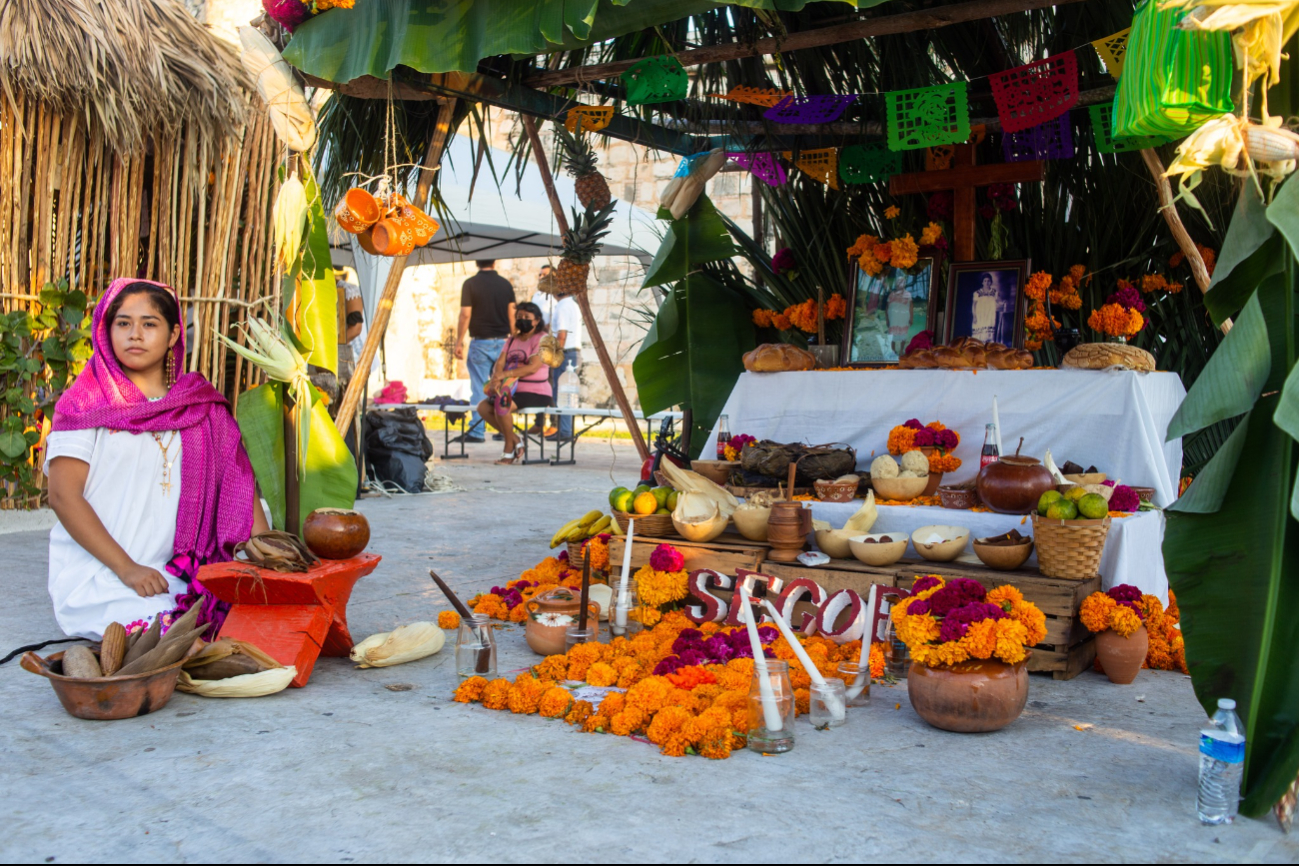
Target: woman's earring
x=171, y=369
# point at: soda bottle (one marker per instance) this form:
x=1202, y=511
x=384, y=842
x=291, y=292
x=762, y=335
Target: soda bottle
x=723, y=437
x=990, y=453
x=1222, y=761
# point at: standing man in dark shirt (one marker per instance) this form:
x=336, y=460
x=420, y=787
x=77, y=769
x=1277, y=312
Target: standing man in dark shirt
x=486, y=312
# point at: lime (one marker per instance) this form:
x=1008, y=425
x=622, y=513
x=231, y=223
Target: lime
x=661, y=495
x=672, y=500
x=662, y=511
x=1073, y=494
x=641, y=488
x=1062, y=510
x=1046, y=500
x=615, y=494
x=1093, y=506
x=623, y=502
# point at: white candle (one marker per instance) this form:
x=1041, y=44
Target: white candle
x=624, y=588
x=996, y=425
x=831, y=702
x=770, y=712
x=863, y=677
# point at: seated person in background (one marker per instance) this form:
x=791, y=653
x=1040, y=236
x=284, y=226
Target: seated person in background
x=519, y=378
x=147, y=473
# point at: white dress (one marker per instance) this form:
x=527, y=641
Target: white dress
x=124, y=486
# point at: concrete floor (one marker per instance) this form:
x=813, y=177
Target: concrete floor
x=354, y=769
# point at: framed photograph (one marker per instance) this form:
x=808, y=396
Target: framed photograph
x=985, y=300
x=886, y=311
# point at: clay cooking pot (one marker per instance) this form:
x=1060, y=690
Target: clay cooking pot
x=106, y=698
x=1014, y=484
x=336, y=533
x=973, y=696
x=1121, y=657
x=549, y=616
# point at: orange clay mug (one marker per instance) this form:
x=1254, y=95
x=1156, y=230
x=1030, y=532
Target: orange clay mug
x=357, y=211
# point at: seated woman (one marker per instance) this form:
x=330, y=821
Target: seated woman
x=520, y=362
x=147, y=473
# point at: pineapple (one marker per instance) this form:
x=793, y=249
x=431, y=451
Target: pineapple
x=581, y=245
x=579, y=162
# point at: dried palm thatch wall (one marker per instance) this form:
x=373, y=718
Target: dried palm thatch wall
x=132, y=145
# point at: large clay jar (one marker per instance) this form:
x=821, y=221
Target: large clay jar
x=973, y=696
x=336, y=533
x=1121, y=657
x=1013, y=485
x=549, y=616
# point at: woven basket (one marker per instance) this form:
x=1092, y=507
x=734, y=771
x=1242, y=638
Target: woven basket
x=652, y=525
x=1070, y=549
x=575, y=554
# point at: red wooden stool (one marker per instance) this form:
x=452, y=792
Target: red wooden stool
x=294, y=618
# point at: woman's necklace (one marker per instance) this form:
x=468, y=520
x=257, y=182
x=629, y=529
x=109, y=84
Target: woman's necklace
x=166, y=460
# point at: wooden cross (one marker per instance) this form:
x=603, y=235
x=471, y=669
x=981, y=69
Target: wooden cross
x=963, y=179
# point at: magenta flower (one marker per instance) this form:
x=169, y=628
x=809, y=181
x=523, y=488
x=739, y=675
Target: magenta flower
x=1127, y=297
x=287, y=13
x=783, y=261
x=667, y=558
x=922, y=584
x=914, y=424
x=918, y=608
x=947, y=439
x=1124, y=498
x=939, y=206
x=958, y=620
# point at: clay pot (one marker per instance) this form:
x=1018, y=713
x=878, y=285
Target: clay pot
x=549, y=616
x=787, y=530
x=394, y=235
x=1013, y=485
x=973, y=696
x=336, y=533
x=1121, y=657
x=357, y=211
x=935, y=478
x=106, y=698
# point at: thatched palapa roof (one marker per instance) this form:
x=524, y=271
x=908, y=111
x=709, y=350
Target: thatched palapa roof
x=139, y=68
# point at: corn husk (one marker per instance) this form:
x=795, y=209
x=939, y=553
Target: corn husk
x=289, y=219
x=403, y=644
x=861, y=522
x=288, y=108
x=681, y=193
x=228, y=659
x=247, y=686
x=692, y=482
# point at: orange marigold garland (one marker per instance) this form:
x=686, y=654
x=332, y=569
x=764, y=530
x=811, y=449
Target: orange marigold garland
x=948, y=622
x=803, y=315
x=873, y=253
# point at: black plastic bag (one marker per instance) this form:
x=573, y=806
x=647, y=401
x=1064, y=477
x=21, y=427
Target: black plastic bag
x=396, y=448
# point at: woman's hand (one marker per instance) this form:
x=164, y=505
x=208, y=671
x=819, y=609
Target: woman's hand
x=144, y=580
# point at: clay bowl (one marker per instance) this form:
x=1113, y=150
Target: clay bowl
x=106, y=698
x=880, y=553
x=1145, y=494
x=958, y=497
x=835, y=491
x=1087, y=478
x=899, y=489
x=336, y=533
x=1003, y=557
x=834, y=543
x=941, y=551
x=716, y=471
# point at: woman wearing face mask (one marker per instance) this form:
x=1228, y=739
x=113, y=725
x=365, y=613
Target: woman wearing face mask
x=519, y=378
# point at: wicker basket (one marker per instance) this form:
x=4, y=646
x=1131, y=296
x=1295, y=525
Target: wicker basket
x=651, y=525
x=575, y=554
x=1070, y=549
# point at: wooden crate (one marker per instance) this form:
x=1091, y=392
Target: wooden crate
x=835, y=575
x=725, y=553
x=1068, y=649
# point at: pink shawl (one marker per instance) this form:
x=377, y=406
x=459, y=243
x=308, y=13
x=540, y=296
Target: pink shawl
x=216, y=484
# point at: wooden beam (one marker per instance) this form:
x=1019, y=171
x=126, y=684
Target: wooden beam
x=369, y=87
x=583, y=298
x=433, y=156
x=966, y=175
x=888, y=25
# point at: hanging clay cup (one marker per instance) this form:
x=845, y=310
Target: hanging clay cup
x=366, y=240
x=549, y=616
x=1121, y=657
x=393, y=235
x=357, y=211
x=974, y=696
x=424, y=226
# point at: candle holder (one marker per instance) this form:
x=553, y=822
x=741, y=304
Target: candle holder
x=476, y=647
x=824, y=697
x=761, y=737
x=574, y=636
x=634, y=615
x=848, y=672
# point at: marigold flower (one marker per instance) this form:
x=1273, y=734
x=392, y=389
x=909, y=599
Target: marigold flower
x=1153, y=283
x=627, y=722
x=552, y=669
x=883, y=253
x=892, y=212
x=931, y=234
x=495, y=694
x=942, y=463
x=666, y=722
x=781, y=322
x=1095, y=612
x=613, y=704
x=518, y=614
x=1124, y=620
x=901, y=440
x=524, y=695
x=870, y=265
x=592, y=724
x=980, y=640
x=905, y=252
x=554, y=702
x=470, y=690
x=877, y=659
x=1038, y=285
x=862, y=246
x=1033, y=620
x=448, y=619
x=762, y=318
x=836, y=307
x=579, y=712
x=601, y=674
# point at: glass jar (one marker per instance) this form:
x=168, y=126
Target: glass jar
x=627, y=624
x=897, y=658
x=858, y=694
x=574, y=636
x=771, y=721
x=826, y=708
x=476, y=648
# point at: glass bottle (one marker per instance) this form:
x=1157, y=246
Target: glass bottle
x=827, y=704
x=765, y=735
x=476, y=648
x=990, y=453
x=858, y=695
x=897, y=658
x=723, y=437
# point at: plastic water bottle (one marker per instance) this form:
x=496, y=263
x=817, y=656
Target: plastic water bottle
x=1222, y=760
x=568, y=386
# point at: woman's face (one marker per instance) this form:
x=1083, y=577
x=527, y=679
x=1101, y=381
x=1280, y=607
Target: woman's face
x=525, y=316
x=141, y=338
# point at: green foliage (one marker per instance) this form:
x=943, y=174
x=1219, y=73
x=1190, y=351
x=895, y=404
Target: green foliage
x=316, y=291
x=40, y=351
x=1231, y=548
x=698, y=237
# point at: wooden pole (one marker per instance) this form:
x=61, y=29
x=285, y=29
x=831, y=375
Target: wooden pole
x=352, y=399
x=292, y=483
x=908, y=22
x=583, y=301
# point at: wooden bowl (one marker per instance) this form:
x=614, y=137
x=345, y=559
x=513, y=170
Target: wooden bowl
x=1003, y=557
x=716, y=471
x=878, y=554
x=1087, y=478
x=958, y=497
x=106, y=698
x=899, y=489
x=835, y=491
x=941, y=551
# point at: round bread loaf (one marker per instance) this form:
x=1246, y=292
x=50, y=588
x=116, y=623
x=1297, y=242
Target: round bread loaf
x=1099, y=356
x=778, y=358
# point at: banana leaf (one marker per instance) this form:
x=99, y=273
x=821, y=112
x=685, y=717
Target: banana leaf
x=316, y=294
x=330, y=477
x=375, y=36
x=698, y=237
x=1231, y=548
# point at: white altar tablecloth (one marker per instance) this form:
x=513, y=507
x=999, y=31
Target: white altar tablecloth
x=1113, y=420
x=1133, y=547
